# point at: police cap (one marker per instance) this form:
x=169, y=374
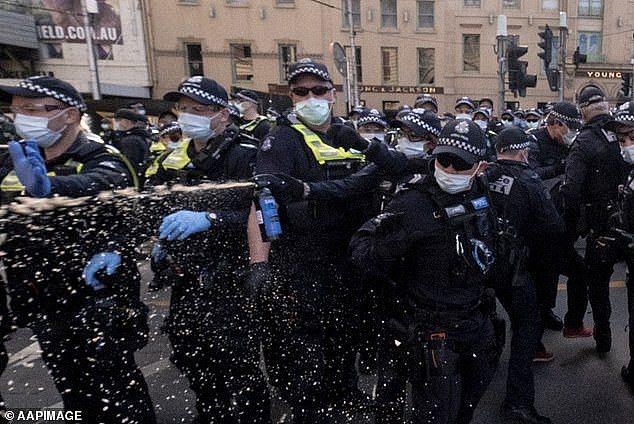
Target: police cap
x=419, y=122
x=44, y=86
x=308, y=66
x=201, y=90
x=512, y=138
x=624, y=116
x=462, y=138
x=566, y=113
x=590, y=95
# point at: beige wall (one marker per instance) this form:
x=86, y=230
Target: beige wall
x=313, y=27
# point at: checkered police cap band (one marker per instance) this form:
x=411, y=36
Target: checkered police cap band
x=185, y=89
x=625, y=117
x=372, y=119
x=48, y=92
x=417, y=121
x=309, y=69
x=519, y=146
x=444, y=141
x=564, y=118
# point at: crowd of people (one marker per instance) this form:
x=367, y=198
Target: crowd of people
x=398, y=235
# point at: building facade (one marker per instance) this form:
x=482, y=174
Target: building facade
x=404, y=48
x=48, y=37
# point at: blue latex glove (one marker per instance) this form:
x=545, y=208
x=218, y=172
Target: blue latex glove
x=109, y=261
x=30, y=168
x=182, y=224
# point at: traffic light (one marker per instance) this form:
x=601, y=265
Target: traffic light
x=546, y=44
x=626, y=85
x=519, y=80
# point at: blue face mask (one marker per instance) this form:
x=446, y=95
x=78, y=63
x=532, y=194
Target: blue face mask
x=196, y=127
x=36, y=128
x=313, y=111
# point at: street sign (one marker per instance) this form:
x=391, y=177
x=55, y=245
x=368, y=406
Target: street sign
x=339, y=55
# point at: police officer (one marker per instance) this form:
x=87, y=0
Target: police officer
x=314, y=322
x=255, y=125
x=507, y=118
x=93, y=368
x=436, y=241
x=550, y=146
x=515, y=189
x=623, y=128
x=209, y=324
x=373, y=125
x=427, y=102
x=594, y=169
x=464, y=108
x=533, y=119
x=132, y=138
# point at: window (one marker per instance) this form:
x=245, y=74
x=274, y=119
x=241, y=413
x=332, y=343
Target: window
x=472, y=3
x=391, y=105
x=388, y=13
x=241, y=62
x=425, y=66
x=511, y=4
x=51, y=51
x=590, y=44
x=194, y=59
x=389, y=65
x=471, y=52
x=425, y=13
x=550, y=4
x=590, y=8
x=357, y=50
x=288, y=55
x=356, y=13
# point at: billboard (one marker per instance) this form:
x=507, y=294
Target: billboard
x=59, y=21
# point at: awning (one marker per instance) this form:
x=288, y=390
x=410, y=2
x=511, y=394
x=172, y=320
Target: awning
x=18, y=30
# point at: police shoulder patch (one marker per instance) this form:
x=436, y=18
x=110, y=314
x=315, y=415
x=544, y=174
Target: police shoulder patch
x=267, y=143
x=502, y=185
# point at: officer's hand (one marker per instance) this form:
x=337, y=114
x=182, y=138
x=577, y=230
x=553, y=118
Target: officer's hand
x=30, y=168
x=109, y=261
x=258, y=280
x=284, y=188
x=182, y=224
x=347, y=137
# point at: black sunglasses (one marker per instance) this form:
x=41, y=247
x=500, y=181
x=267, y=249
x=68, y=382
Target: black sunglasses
x=447, y=160
x=318, y=90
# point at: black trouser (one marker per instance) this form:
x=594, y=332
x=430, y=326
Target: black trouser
x=213, y=335
x=600, y=265
x=448, y=378
x=105, y=384
x=311, y=340
x=630, y=309
x=520, y=303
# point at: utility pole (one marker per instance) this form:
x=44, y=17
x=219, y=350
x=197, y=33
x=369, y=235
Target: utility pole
x=353, y=58
x=92, y=62
x=563, y=38
x=632, y=76
x=502, y=40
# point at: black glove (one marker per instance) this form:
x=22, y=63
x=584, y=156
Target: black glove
x=284, y=188
x=343, y=135
x=258, y=280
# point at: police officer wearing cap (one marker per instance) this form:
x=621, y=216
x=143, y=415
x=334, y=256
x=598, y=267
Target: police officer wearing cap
x=372, y=125
x=594, y=170
x=533, y=119
x=436, y=241
x=549, y=149
x=427, y=102
x=132, y=138
x=622, y=222
x=210, y=325
x=256, y=125
x=55, y=158
x=464, y=108
x=312, y=323
x=516, y=188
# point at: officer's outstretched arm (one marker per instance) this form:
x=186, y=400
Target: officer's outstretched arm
x=182, y=224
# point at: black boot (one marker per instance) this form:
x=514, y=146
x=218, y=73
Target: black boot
x=524, y=414
x=551, y=320
x=603, y=338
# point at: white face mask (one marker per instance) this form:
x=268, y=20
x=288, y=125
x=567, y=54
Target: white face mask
x=411, y=148
x=242, y=107
x=36, y=128
x=628, y=153
x=452, y=183
x=482, y=124
x=464, y=116
x=569, y=138
x=371, y=136
x=532, y=125
x=196, y=127
x=313, y=111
